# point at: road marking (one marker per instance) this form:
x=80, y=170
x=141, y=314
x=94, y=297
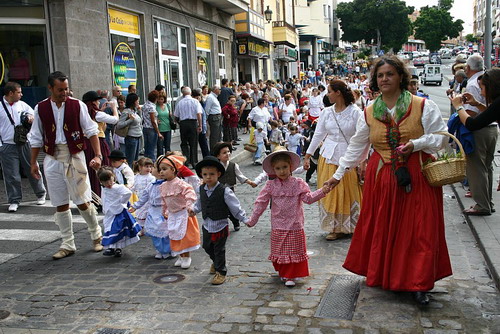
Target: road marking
x=29, y=235
x=6, y=257
x=29, y=217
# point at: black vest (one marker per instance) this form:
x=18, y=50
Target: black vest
x=229, y=177
x=214, y=207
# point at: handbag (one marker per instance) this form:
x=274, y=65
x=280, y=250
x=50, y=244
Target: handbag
x=20, y=131
x=122, y=132
x=173, y=125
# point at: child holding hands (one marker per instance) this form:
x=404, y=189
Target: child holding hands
x=120, y=227
x=215, y=203
x=288, y=242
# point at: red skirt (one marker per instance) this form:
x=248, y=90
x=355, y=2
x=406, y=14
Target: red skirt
x=399, y=241
x=289, y=253
x=95, y=184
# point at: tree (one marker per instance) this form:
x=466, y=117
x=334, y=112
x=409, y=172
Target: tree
x=381, y=22
x=435, y=24
x=470, y=38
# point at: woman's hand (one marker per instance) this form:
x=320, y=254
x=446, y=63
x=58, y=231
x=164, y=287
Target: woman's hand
x=468, y=98
x=307, y=161
x=405, y=149
x=331, y=183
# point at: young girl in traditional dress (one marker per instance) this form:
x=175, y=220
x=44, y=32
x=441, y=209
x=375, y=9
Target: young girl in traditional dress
x=155, y=224
x=142, y=169
x=123, y=173
x=178, y=196
x=288, y=241
x=120, y=227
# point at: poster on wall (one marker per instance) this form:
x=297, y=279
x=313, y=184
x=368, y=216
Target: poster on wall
x=2, y=69
x=202, y=71
x=124, y=67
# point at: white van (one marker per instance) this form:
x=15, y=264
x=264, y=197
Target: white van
x=432, y=74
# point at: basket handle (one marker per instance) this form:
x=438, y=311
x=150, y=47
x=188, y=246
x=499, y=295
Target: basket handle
x=446, y=133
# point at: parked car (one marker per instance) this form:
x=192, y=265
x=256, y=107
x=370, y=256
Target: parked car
x=446, y=54
x=432, y=74
x=419, y=61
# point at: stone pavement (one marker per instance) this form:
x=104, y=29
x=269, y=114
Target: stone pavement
x=87, y=292
x=486, y=229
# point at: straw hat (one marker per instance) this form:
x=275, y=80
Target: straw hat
x=295, y=160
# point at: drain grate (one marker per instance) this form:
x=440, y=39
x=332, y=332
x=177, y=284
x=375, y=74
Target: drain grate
x=169, y=278
x=339, y=300
x=112, y=331
x=4, y=314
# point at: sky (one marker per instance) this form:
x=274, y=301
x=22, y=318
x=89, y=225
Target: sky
x=462, y=9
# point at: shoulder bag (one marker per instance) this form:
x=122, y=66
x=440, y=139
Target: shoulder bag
x=20, y=132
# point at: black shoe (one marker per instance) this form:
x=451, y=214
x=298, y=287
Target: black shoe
x=421, y=297
x=235, y=144
x=239, y=139
x=236, y=226
x=109, y=252
x=118, y=252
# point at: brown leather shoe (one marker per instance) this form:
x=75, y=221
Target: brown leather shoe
x=212, y=269
x=62, y=253
x=332, y=236
x=218, y=279
x=96, y=245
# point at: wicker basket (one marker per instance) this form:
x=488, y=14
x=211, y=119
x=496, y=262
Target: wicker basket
x=250, y=147
x=442, y=172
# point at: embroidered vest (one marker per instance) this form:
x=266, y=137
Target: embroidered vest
x=229, y=177
x=410, y=127
x=214, y=207
x=72, y=128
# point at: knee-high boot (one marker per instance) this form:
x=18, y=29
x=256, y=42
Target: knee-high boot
x=90, y=217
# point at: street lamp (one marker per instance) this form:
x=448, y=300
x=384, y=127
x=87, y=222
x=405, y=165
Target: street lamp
x=268, y=13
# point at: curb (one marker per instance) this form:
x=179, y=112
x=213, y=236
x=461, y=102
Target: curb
x=484, y=250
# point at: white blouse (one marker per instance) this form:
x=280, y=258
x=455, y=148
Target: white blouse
x=141, y=182
x=327, y=131
x=259, y=115
x=114, y=200
x=315, y=105
x=288, y=111
x=359, y=145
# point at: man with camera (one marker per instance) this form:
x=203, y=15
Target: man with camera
x=15, y=121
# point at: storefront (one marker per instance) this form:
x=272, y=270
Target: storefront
x=24, y=48
x=253, y=59
x=126, y=47
x=173, y=70
x=204, y=59
x=285, y=61
x=101, y=44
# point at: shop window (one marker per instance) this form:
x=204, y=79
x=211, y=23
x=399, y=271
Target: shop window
x=24, y=59
x=222, y=59
x=169, y=40
x=127, y=65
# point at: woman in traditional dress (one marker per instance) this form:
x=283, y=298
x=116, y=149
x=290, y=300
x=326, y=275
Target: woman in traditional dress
x=91, y=100
x=339, y=210
x=399, y=242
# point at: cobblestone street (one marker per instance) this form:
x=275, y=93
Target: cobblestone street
x=87, y=292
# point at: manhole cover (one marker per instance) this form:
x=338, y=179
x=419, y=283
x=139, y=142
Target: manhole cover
x=169, y=278
x=4, y=314
x=112, y=331
x=339, y=300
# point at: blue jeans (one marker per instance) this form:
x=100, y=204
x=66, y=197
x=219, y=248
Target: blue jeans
x=163, y=145
x=150, y=142
x=131, y=149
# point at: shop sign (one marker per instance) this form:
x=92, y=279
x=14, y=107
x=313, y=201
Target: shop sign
x=124, y=67
x=123, y=22
x=2, y=68
x=253, y=48
x=203, y=41
x=286, y=53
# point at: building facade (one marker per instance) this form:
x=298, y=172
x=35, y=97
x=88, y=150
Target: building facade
x=99, y=44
